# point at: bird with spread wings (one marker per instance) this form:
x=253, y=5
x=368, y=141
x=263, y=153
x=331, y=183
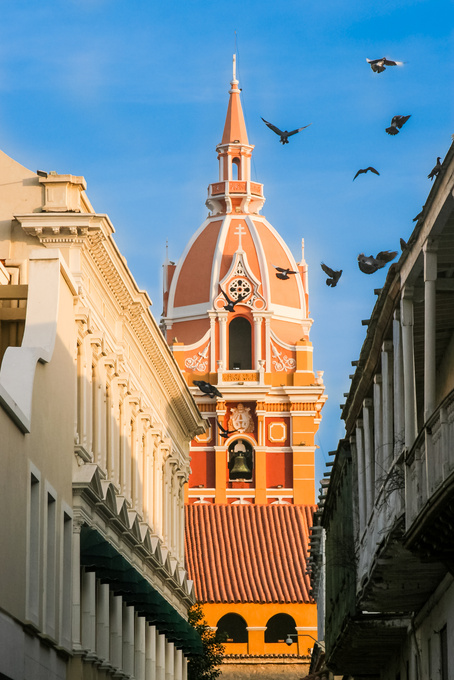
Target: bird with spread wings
x=284, y=134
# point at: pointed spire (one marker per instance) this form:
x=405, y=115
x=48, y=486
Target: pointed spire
x=235, y=127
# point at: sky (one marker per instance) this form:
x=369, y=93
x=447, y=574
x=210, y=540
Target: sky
x=132, y=94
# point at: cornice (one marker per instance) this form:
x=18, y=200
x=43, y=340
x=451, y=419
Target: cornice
x=93, y=232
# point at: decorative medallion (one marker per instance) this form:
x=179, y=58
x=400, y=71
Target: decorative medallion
x=239, y=287
x=241, y=419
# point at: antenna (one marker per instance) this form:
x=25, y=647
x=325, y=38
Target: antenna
x=234, y=67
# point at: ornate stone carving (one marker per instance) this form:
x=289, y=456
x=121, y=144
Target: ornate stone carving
x=241, y=419
x=199, y=361
x=282, y=362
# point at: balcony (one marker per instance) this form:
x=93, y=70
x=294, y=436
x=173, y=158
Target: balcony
x=430, y=487
x=230, y=196
x=235, y=187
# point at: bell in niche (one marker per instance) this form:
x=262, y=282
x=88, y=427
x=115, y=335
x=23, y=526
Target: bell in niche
x=240, y=469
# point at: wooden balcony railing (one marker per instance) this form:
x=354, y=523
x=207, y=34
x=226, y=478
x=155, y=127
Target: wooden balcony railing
x=430, y=463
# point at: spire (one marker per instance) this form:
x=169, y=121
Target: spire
x=235, y=127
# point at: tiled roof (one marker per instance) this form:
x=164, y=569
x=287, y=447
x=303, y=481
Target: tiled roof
x=248, y=553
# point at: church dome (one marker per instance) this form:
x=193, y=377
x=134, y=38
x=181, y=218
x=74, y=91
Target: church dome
x=228, y=268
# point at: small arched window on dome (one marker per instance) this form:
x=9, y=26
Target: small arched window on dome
x=279, y=627
x=240, y=350
x=236, y=168
x=233, y=628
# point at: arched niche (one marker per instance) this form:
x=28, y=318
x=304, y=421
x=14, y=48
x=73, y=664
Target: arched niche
x=240, y=344
x=241, y=460
x=233, y=628
x=279, y=626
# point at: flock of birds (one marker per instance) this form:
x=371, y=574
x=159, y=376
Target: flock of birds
x=368, y=264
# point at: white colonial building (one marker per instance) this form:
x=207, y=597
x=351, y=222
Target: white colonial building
x=95, y=425
x=384, y=577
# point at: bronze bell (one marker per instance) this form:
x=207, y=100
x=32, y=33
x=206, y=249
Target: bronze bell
x=240, y=469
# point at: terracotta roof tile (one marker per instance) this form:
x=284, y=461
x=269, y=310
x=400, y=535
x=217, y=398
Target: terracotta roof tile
x=248, y=553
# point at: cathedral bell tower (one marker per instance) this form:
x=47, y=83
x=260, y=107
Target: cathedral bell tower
x=232, y=323
x=234, y=192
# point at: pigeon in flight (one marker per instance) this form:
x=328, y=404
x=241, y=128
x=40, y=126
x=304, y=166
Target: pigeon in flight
x=370, y=264
x=207, y=388
x=225, y=434
x=230, y=306
x=333, y=276
x=379, y=65
x=283, y=273
x=435, y=170
x=284, y=134
x=366, y=170
x=397, y=122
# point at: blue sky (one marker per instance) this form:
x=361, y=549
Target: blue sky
x=132, y=94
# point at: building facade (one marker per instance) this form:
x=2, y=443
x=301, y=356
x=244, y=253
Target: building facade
x=382, y=558
x=233, y=323
x=95, y=424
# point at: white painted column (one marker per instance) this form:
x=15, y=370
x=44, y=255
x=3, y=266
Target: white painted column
x=116, y=630
x=408, y=353
x=369, y=455
x=170, y=660
x=88, y=601
x=378, y=432
x=212, y=344
x=430, y=282
x=178, y=664
x=362, y=502
x=185, y=668
x=128, y=639
x=158, y=510
x=355, y=490
x=96, y=416
x=257, y=341
x=223, y=339
x=398, y=386
x=160, y=656
x=150, y=652
x=387, y=403
x=139, y=648
x=76, y=641
x=102, y=621
x=268, y=344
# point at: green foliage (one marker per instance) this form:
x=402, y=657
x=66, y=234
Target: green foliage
x=205, y=666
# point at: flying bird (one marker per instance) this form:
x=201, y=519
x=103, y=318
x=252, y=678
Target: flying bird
x=230, y=306
x=225, y=434
x=283, y=273
x=397, y=122
x=333, y=276
x=370, y=264
x=366, y=170
x=435, y=170
x=379, y=65
x=284, y=134
x=207, y=388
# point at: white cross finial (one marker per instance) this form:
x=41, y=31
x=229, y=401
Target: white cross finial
x=239, y=231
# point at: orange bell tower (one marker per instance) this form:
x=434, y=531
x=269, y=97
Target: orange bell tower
x=232, y=322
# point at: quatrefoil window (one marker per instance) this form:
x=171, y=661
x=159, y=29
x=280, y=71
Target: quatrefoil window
x=239, y=287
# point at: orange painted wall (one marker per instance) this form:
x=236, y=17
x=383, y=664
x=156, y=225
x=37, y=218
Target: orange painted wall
x=257, y=615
